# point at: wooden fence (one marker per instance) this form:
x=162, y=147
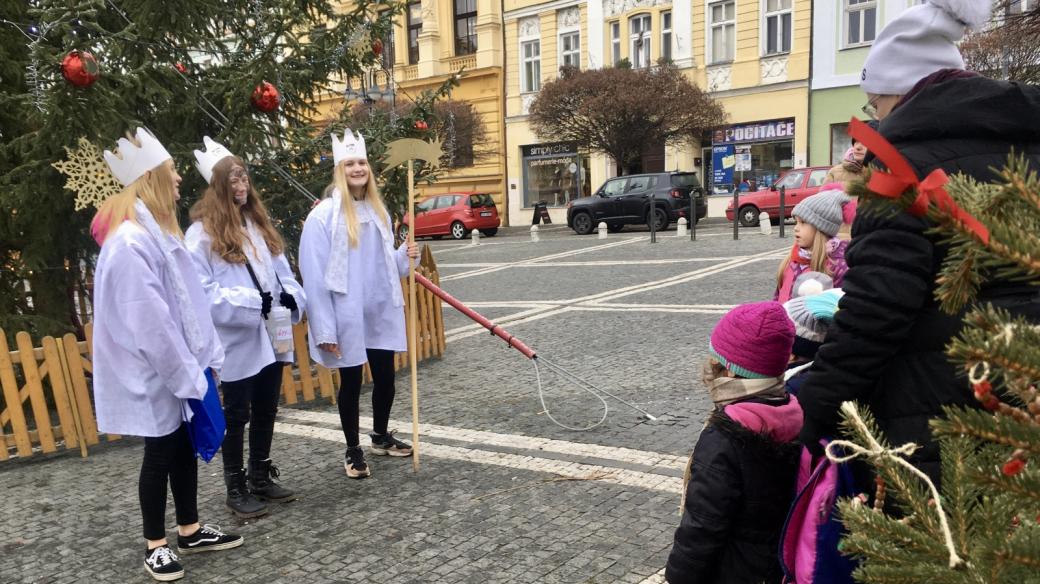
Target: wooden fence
x=47, y=403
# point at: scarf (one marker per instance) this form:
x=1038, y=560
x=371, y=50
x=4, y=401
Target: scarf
x=800, y=259
x=727, y=390
x=167, y=244
x=339, y=250
x=259, y=256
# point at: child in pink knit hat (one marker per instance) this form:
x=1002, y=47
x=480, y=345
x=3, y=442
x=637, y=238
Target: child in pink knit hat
x=741, y=476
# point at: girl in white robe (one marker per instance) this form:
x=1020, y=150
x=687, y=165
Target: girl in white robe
x=154, y=345
x=351, y=273
x=232, y=234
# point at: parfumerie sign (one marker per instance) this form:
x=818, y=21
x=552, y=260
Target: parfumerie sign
x=755, y=132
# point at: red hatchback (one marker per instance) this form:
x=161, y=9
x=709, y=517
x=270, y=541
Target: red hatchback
x=454, y=214
x=799, y=182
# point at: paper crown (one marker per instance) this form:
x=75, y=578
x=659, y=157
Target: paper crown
x=214, y=153
x=131, y=162
x=352, y=146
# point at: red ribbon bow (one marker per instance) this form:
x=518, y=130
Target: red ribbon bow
x=901, y=176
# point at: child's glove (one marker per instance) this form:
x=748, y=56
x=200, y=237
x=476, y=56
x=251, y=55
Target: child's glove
x=265, y=304
x=287, y=300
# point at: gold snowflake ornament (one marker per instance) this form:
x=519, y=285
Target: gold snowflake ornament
x=88, y=175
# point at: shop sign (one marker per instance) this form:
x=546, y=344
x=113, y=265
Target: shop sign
x=722, y=162
x=755, y=132
x=550, y=149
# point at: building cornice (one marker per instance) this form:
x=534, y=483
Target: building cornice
x=541, y=8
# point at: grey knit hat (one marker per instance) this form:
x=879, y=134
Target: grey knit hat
x=823, y=210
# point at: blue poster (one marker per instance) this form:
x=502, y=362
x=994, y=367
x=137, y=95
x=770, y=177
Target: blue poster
x=723, y=160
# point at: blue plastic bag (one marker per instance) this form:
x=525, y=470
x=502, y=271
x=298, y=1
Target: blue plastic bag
x=206, y=427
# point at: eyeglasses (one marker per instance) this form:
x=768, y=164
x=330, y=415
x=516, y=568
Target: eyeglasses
x=870, y=108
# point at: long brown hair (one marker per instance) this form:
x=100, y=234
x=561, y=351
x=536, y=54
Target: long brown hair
x=155, y=189
x=372, y=195
x=818, y=260
x=222, y=218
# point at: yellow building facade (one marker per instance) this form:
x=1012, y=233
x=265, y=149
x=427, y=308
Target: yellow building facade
x=432, y=40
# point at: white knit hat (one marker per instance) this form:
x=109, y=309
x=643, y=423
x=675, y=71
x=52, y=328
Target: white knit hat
x=919, y=42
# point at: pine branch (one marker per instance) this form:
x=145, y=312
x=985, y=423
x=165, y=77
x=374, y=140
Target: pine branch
x=1002, y=430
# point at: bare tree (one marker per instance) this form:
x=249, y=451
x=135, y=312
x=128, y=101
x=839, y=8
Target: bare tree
x=621, y=112
x=1010, y=47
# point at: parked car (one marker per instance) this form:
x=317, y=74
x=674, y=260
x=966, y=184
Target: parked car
x=453, y=214
x=626, y=200
x=798, y=184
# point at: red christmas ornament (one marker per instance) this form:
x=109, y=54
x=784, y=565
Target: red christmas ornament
x=377, y=47
x=180, y=67
x=266, y=97
x=1013, y=467
x=982, y=389
x=421, y=125
x=80, y=69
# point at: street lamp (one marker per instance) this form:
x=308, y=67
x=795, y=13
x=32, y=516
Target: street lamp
x=369, y=92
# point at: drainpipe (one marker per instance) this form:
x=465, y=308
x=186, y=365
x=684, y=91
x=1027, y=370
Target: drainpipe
x=503, y=155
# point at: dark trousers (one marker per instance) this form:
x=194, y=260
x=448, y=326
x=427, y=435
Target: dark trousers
x=381, y=362
x=253, y=400
x=169, y=458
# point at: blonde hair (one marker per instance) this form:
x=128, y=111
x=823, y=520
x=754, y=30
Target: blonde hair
x=155, y=189
x=372, y=195
x=818, y=260
x=222, y=218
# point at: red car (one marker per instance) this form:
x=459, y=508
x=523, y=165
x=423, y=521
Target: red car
x=454, y=214
x=799, y=182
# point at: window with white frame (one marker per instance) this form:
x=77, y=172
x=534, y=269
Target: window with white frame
x=1020, y=6
x=570, y=49
x=777, y=26
x=639, y=35
x=615, y=42
x=530, y=66
x=860, y=22
x=722, y=16
x=666, y=35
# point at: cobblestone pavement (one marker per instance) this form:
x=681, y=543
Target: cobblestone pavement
x=503, y=494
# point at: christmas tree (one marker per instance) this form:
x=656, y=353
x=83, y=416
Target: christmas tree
x=247, y=73
x=985, y=524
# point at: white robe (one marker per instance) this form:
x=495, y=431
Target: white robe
x=235, y=304
x=143, y=369
x=370, y=315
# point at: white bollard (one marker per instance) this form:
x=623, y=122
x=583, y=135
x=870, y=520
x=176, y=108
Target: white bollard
x=475, y=237
x=602, y=227
x=680, y=227
x=534, y=234
x=765, y=226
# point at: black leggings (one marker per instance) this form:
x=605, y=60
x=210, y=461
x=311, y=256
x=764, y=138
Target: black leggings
x=381, y=362
x=253, y=400
x=168, y=458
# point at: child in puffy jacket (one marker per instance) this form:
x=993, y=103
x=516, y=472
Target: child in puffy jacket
x=741, y=475
x=816, y=245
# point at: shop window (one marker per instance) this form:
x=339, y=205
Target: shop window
x=722, y=16
x=465, y=27
x=553, y=173
x=666, y=35
x=860, y=22
x=570, y=49
x=639, y=32
x=414, y=28
x=840, y=142
x=778, y=26
x=615, y=42
x=530, y=66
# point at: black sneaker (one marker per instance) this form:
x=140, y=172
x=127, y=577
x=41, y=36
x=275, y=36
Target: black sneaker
x=388, y=445
x=162, y=564
x=354, y=463
x=208, y=538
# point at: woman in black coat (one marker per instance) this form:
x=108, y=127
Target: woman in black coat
x=887, y=347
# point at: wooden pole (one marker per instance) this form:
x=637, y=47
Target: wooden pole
x=413, y=345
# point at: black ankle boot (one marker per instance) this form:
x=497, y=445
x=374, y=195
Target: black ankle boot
x=239, y=500
x=261, y=482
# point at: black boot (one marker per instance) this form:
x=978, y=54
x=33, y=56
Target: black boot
x=239, y=501
x=261, y=482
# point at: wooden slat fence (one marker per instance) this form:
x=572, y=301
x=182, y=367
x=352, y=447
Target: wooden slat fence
x=46, y=402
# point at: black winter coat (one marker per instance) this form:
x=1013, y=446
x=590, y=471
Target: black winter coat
x=741, y=487
x=887, y=345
